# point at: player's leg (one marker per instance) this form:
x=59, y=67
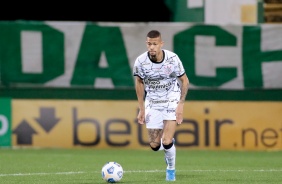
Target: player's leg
x=169, y=147
x=154, y=124
x=168, y=143
x=155, y=139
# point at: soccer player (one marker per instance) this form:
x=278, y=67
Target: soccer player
x=161, y=86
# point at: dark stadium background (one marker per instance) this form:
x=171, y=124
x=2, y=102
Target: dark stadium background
x=98, y=10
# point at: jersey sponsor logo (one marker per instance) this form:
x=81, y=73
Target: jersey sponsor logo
x=158, y=101
x=154, y=82
x=170, y=111
x=162, y=86
x=136, y=70
x=146, y=63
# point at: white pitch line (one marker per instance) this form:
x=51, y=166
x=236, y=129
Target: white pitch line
x=139, y=171
x=31, y=174
x=220, y=170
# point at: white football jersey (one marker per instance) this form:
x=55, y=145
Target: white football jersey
x=160, y=78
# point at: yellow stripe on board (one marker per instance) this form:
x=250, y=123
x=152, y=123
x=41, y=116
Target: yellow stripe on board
x=227, y=125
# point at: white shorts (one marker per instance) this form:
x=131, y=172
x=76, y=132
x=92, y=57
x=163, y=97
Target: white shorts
x=154, y=118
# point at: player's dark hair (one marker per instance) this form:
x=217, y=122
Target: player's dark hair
x=154, y=34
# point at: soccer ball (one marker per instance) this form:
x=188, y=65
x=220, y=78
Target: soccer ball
x=112, y=172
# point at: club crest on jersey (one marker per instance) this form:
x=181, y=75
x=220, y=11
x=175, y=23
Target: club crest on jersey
x=167, y=70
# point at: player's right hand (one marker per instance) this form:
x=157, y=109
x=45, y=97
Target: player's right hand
x=141, y=117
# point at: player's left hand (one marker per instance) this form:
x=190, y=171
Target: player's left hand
x=179, y=113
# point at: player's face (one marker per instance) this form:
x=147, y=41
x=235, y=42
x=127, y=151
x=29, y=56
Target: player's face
x=154, y=46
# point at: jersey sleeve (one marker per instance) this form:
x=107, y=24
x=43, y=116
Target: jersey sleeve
x=179, y=69
x=137, y=70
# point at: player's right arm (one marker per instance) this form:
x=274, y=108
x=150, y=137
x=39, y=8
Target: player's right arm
x=140, y=92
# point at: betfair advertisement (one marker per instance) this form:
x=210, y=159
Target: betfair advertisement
x=108, y=124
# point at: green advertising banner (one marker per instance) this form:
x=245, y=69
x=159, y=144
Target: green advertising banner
x=101, y=55
x=217, y=11
x=5, y=122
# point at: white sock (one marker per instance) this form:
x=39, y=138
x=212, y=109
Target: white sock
x=162, y=147
x=170, y=155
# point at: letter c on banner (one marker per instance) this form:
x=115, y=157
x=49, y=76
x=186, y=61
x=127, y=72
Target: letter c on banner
x=4, y=127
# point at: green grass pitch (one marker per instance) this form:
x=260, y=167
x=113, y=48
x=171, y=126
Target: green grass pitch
x=83, y=166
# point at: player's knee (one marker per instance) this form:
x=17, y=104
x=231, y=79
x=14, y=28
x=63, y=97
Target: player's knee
x=167, y=141
x=168, y=146
x=155, y=147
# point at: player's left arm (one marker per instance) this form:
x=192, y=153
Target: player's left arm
x=184, y=90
